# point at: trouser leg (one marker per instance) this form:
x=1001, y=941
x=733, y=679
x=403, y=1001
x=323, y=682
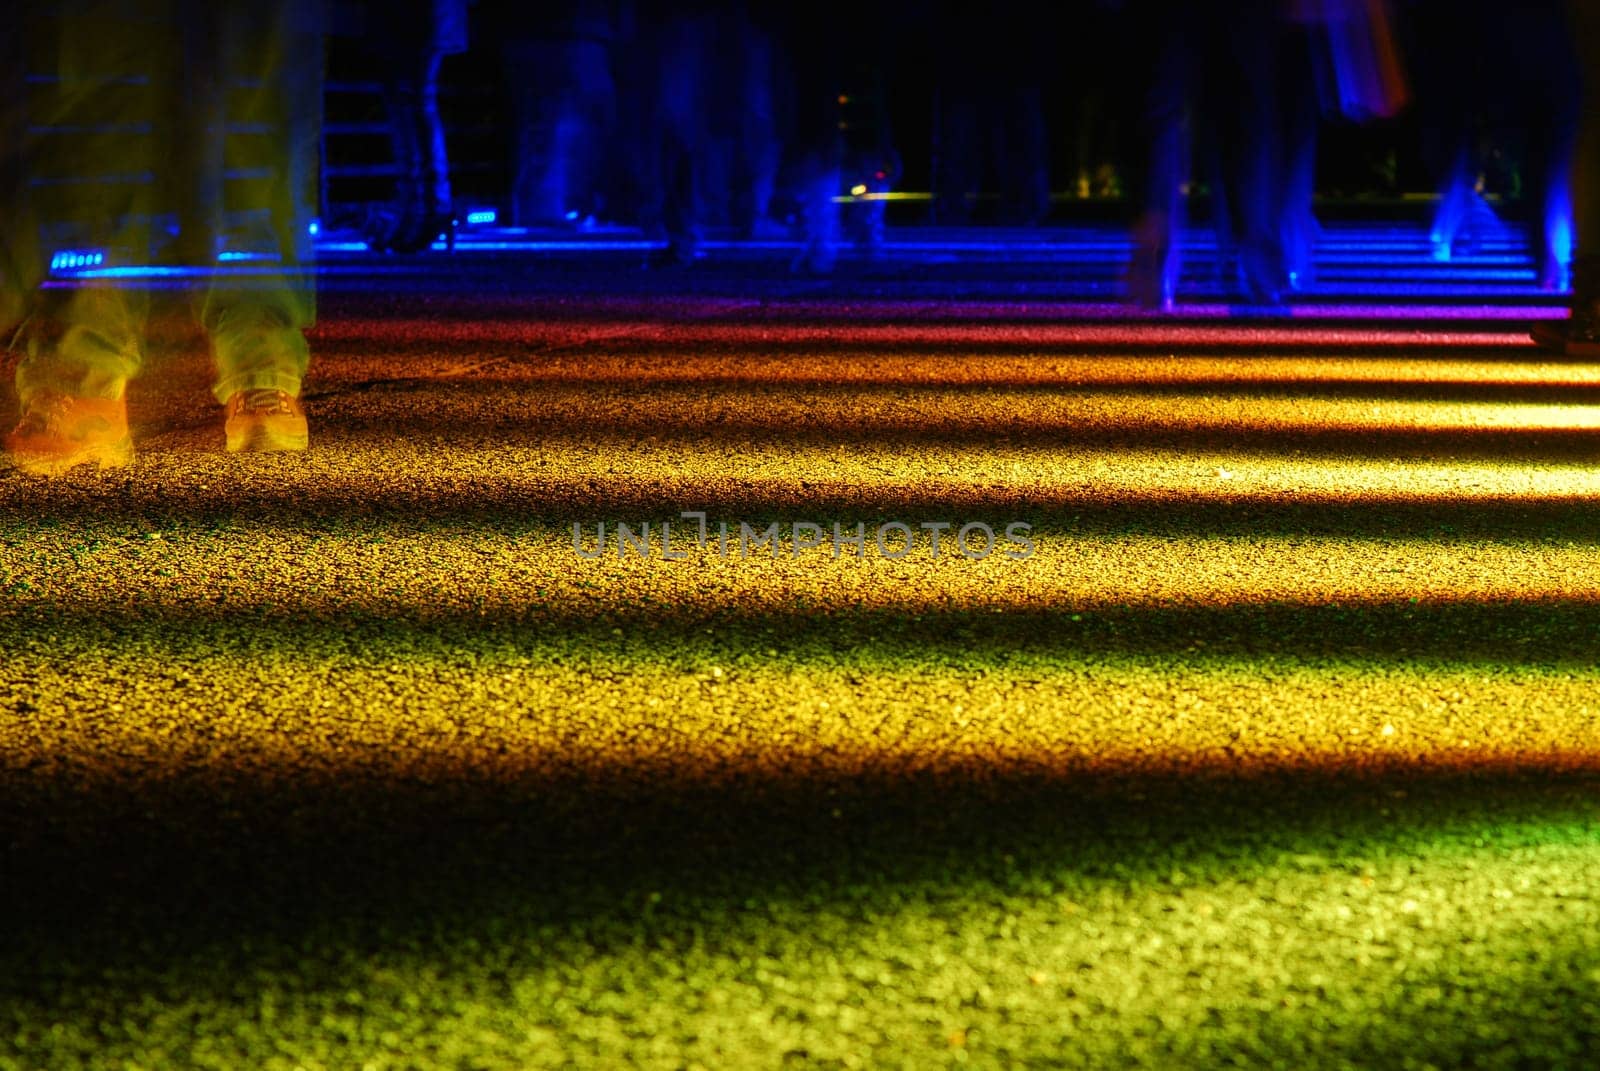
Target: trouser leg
x=77, y=174
x=256, y=324
x=1585, y=172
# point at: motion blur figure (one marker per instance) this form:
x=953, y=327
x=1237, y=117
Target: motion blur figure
x=1579, y=335
x=1485, y=69
x=1253, y=79
x=411, y=39
x=699, y=126
x=673, y=57
x=558, y=63
x=1215, y=71
x=141, y=129
x=839, y=153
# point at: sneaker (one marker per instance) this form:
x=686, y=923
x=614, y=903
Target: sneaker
x=681, y=252
x=58, y=432
x=1152, y=277
x=1579, y=334
x=1575, y=337
x=265, y=420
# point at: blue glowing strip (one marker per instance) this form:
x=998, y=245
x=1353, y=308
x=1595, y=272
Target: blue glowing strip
x=88, y=128
x=1437, y=273
x=482, y=215
x=65, y=260
x=104, y=79
x=1519, y=313
x=139, y=272
x=1419, y=258
x=1087, y=247
x=158, y=271
x=544, y=246
x=1431, y=290
x=121, y=178
x=1111, y=254
x=1415, y=249
x=1213, y=310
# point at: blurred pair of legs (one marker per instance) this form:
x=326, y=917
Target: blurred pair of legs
x=129, y=129
x=1233, y=74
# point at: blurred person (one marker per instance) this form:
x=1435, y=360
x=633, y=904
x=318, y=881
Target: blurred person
x=724, y=102
x=1579, y=334
x=746, y=125
x=1215, y=72
x=840, y=156
x=701, y=132
x=120, y=116
x=411, y=39
x=1244, y=79
x=558, y=62
x=1532, y=86
x=1304, y=36
x=670, y=58
x=869, y=162
x=814, y=144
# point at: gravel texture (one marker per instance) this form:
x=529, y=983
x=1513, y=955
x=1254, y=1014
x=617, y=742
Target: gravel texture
x=1280, y=748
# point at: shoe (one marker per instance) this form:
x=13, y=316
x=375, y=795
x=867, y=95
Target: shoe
x=816, y=258
x=59, y=432
x=1576, y=337
x=1262, y=275
x=822, y=226
x=1152, y=277
x=680, y=253
x=265, y=420
x=1555, y=275
x=1579, y=334
x=411, y=226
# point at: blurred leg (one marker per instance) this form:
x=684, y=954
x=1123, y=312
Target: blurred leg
x=1253, y=151
x=1299, y=221
x=816, y=145
x=960, y=143
x=1580, y=335
x=1586, y=156
x=77, y=174
x=759, y=148
x=1153, y=273
x=681, y=111
x=81, y=171
x=272, y=56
